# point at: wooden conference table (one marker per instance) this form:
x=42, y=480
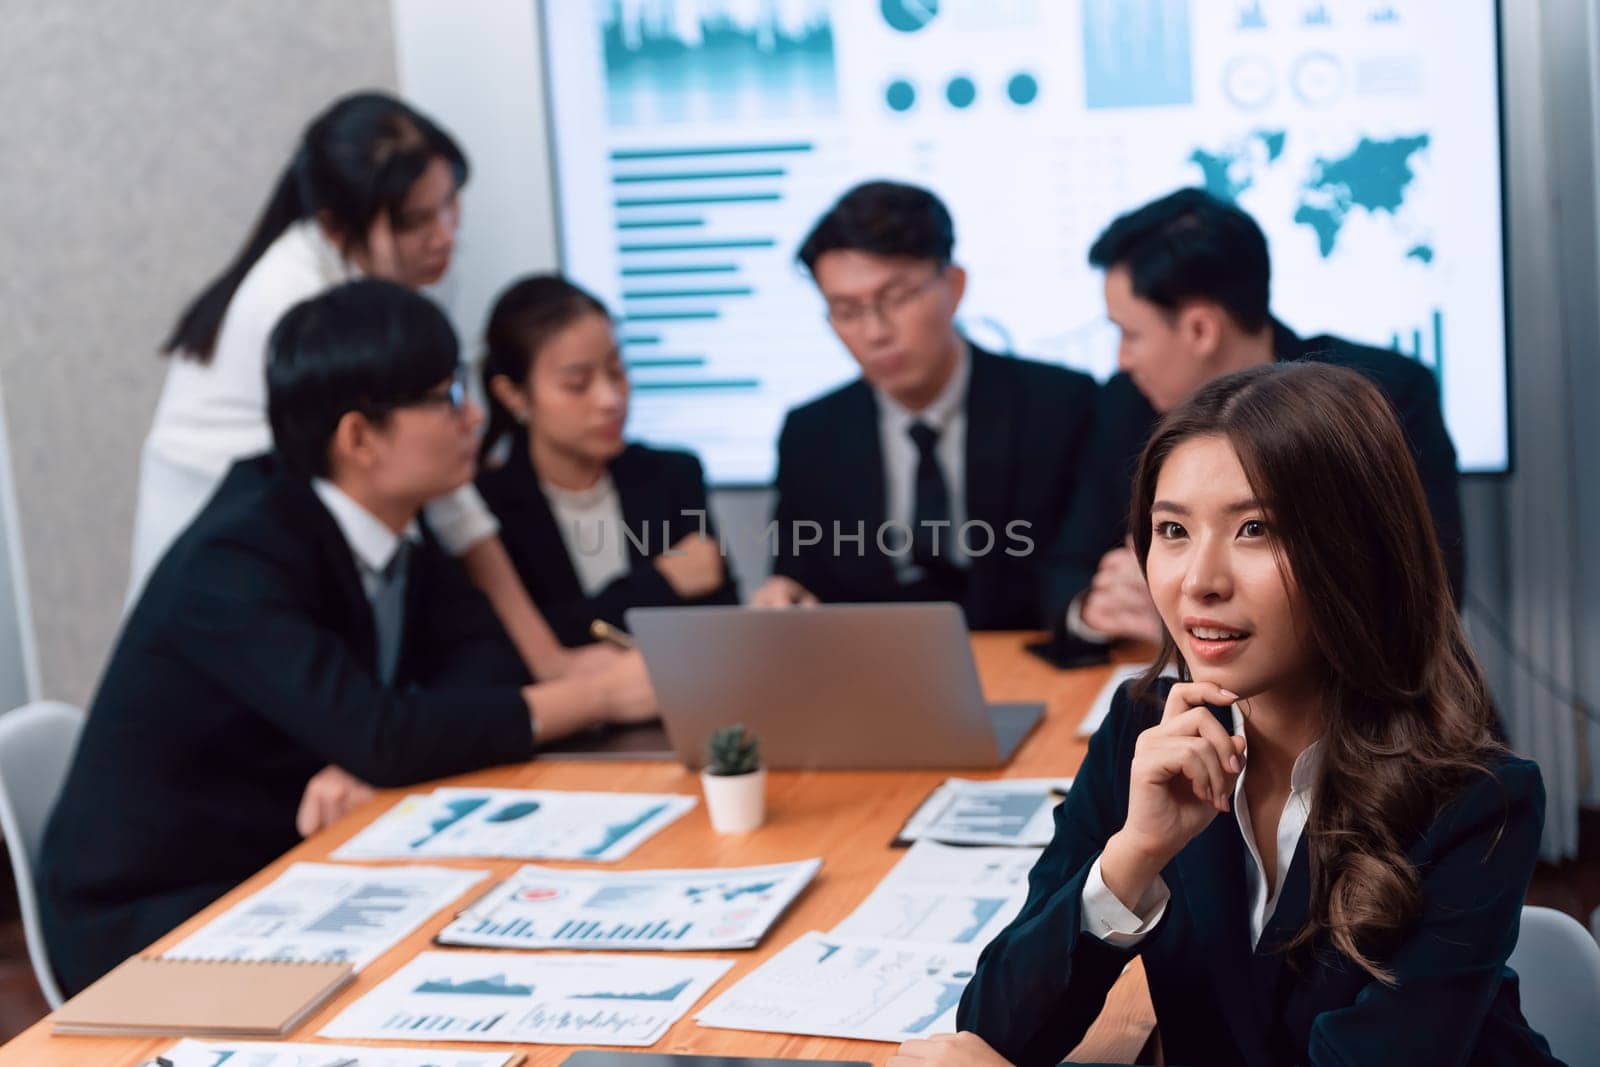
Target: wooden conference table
x=847, y=817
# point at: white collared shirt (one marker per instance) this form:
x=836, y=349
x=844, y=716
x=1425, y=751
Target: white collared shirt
x=211, y=414
x=947, y=414
x=1104, y=916
x=371, y=541
x=590, y=521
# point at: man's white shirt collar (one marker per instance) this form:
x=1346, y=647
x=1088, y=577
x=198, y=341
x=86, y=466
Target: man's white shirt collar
x=368, y=536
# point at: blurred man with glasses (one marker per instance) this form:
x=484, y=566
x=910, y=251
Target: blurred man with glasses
x=943, y=470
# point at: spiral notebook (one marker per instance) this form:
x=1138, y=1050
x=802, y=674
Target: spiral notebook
x=205, y=998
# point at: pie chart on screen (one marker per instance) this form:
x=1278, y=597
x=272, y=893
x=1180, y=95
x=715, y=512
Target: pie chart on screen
x=909, y=16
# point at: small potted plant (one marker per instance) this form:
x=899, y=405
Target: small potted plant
x=734, y=781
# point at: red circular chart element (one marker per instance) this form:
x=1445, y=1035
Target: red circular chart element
x=538, y=894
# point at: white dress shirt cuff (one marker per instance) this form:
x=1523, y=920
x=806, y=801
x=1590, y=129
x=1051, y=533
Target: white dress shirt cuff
x=460, y=520
x=1080, y=629
x=1103, y=916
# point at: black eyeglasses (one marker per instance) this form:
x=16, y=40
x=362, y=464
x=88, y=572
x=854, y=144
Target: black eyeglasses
x=454, y=395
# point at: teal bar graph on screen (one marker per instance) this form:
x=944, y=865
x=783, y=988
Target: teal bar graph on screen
x=1137, y=53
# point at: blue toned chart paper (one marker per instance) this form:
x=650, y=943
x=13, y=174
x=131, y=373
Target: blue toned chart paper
x=516, y=824
x=696, y=141
x=323, y=912
x=548, y=999
x=540, y=907
x=945, y=895
x=278, y=1054
x=1006, y=811
x=838, y=987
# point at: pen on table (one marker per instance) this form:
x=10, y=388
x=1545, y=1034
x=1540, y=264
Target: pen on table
x=601, y=630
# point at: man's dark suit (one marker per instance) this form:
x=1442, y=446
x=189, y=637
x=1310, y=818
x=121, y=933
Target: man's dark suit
x=661, y=493
x=1026, y=428
x=247, y=666
x=1218, y=999
x=1098, y=518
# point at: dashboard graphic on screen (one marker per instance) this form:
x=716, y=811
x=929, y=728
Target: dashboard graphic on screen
x=696, y=141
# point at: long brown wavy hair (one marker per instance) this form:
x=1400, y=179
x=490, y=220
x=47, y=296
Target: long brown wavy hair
x=1408, y=715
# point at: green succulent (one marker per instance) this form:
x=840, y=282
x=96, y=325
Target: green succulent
x=733, y=750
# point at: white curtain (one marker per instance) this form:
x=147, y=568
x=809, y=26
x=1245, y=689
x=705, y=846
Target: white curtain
x=1533, y=604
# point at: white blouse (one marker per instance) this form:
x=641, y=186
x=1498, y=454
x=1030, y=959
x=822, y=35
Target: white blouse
x=211, y=414
x=590, y=521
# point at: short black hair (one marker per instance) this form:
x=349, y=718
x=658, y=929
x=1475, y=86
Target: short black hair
x=1189, y=245
x=368, y=346
x=885, y=219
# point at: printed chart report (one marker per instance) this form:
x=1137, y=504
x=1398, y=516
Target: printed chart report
x=838, y=987
x=530, y=999
x=541, y=907
x=945, y=895
x=323, y=912
x=695, y=144
x=516, y=824
x=277, y=1054
x=1005, y=811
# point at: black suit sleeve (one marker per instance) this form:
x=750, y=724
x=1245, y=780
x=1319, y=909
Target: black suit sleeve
x=789, y=507
x=1450, y=967
x=1097, y=518
x=693, y=501
x=1423, y=419
x=243, y=629
x=1041, y=982
x=453, y=636
x=643, y=585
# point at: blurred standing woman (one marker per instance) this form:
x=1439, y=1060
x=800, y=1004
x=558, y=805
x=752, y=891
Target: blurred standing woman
x=373, y=190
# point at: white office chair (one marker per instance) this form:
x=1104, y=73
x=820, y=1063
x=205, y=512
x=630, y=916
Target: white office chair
x=36, y=745
x=1558, y=963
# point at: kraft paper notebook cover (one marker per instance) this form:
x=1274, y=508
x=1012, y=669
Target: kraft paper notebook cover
x=205, y=998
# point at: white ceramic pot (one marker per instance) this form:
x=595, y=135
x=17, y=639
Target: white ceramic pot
x=737, y=803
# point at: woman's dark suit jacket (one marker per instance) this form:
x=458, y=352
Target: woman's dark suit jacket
x=1041, y=982
x=663, y=495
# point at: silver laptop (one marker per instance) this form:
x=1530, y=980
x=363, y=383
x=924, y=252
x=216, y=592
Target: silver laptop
x=838, y=686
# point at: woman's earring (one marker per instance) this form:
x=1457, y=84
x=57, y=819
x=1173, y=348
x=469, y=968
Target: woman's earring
x=522, y=418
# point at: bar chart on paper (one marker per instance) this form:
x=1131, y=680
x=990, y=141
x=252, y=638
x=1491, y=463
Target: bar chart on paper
x=837, y=987
x=1016, y=811
x=542, y=907
x=323, y=912
x=522, y=998
x=945, y=895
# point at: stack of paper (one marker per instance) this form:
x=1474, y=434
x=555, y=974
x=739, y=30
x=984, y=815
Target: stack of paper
x=540, y=907
x=322, y=912
x=516, y=824
x=1007, y=811
x=585, y=999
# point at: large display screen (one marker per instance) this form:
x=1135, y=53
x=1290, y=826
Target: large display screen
x=696, y=141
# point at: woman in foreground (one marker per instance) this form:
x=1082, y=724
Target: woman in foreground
x=1311, y=839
